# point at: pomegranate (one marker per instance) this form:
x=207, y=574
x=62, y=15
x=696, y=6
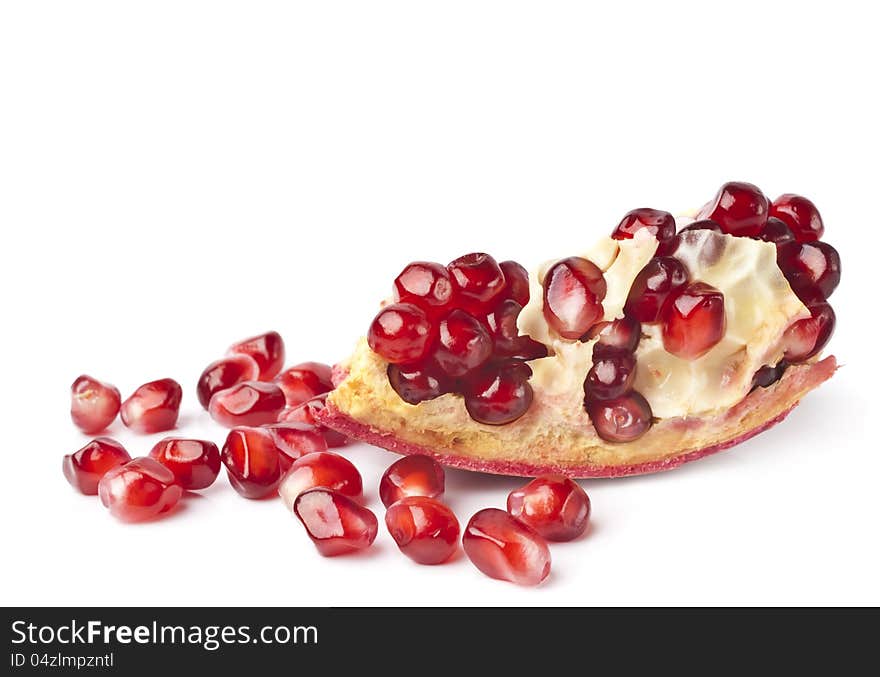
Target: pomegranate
x=153, y=407
x=478, y=281
x=426, y=285
x=266, y=349
x=250, y=403
x=195, y=463
x=573, y=292
x=739, y=208
x=693, y=321
x=464, y=344
x=499, y=394
x=652, y=287
x=416, y=475
x=805, y=338
x=611, y=375
x=502, y=547
x=140, y=490
x=799, y=214
x=93, y=404
x=401, y=333
x=416, y=383
x=811, y=268
x=517, y=280
x=424, y=529
x=336, y=524
x=624, y=419
x=553, y=505
x=305, y=381
x=224, y=374
x=85, y=468
x=321, y=469
x=253, y=462
x=660, y=224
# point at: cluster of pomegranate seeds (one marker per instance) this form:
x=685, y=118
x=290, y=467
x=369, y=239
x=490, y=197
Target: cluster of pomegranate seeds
x=321, y=469
x=153, y=407
x=140, y=490
x=225, y=373
x=249, y=403
x=93, y=404
x=195, y=463
x=337, y=524
x=253, y=462
x=85, y=468
x=452, y=329
x=553, y=505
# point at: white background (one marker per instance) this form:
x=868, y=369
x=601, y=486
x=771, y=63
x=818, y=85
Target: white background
x=178, y=175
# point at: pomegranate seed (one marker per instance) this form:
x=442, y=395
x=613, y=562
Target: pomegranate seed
x=811, y=268
x=195, y=463
x=307, y=413
x=739, y=208
x=416, y=475
x=253, y=462
x=478, y=282
x=250, y=403
x=418, y=382
x=801, y=215
x=622, y=334
x=505, y=548
x=463, y=345
x=505, y=333
x=517, y=280
x=139, y=490
x=806, y=338
x=296, y=439
x=305, y=381
x=499, y=394
x=335, y=523
x=267, y=350
x=660, y=224
x=153, y=407
x=85, y=468
x=611, y=375
x=224, y=374
x=424, y=529
x=322, y=469
x=652, y=287
x=776, y=231
x=553, y=505
x=693, y=321
x=401, y=333
x=623, y=419
x=426, y=285
x=767, y=375
x=573, y=292
x=93, y=404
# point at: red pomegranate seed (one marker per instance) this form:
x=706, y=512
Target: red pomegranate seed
x=296, y=439
x=612, y=374
x=416, y=475
x=85, y=468
x=801, y=215
x=305, y=381
x=416, y=383
x=806, y=338
x=776, y=231
x=739, y=208
x=811, y=268
x=502, y=547
x=424, y=529
x=139, y=490
x=652, y=287
x=93, y=404
x=253, y=462
x=767, y=375
x=499, y=394
x=506, y=337
x=153, y=407
x=195, y=463
x=322, y=469
x=574, y=289
x=621, y=334
x=250, y=403
x=424, y=284
x=624, y=419
x=463, y=344
x=553, y=505
x=517, y=281
x=660, y=224
x=336, y=524
x=267, y=350
x=224, y=374
x=693, y=321
x=478, y=282
x=307, y=413
x=400, y=333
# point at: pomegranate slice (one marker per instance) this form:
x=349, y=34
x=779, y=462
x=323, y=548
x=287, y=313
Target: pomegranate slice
x=308, y=413
x=322, y=469
x=502, y=547
x=224, y=374
x=424, y=529
x=622, y=334
x=251, y=403
x=424, y=284
x=266, y=349
x=806, y=338
x=801, y=215
x=517, y=280
x=296, y=439
x=93, y=404
x=140, y=490
x=85, y=468
x=739, y=208
x=418, y=382
x=335, y=523
x=195, y=463
x=153, y=407
x=553, y=505
x=574, y=289
x=401, y=333
x=624, y=419
x=693, y=321
x=661, y=277
x=253, y=462
x=612, y=374
x=660, y=224
x=464, y=344
x=305, y=381
x=478, y=282
x=811, y=268
x=416, y=475
x=499, y=394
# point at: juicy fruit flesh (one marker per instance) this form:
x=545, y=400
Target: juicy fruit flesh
x=573, y=292
x=424, y=529
x=740, y=208
x=223, y=374
x=693, y=321
x=322, y=469
x=250, y=403
x=415, y=475
x=267, y=350
x=502, y=547
x=253, y=462
x=655, y=283
x=195, y=463
x=153, y=407
x=336, y=524
x=93, y=404
x=401, y=333
x=553, y=505
x=85, y=468
x=140, y=490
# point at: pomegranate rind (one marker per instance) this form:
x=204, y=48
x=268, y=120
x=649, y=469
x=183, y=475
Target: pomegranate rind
x=669, y=444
